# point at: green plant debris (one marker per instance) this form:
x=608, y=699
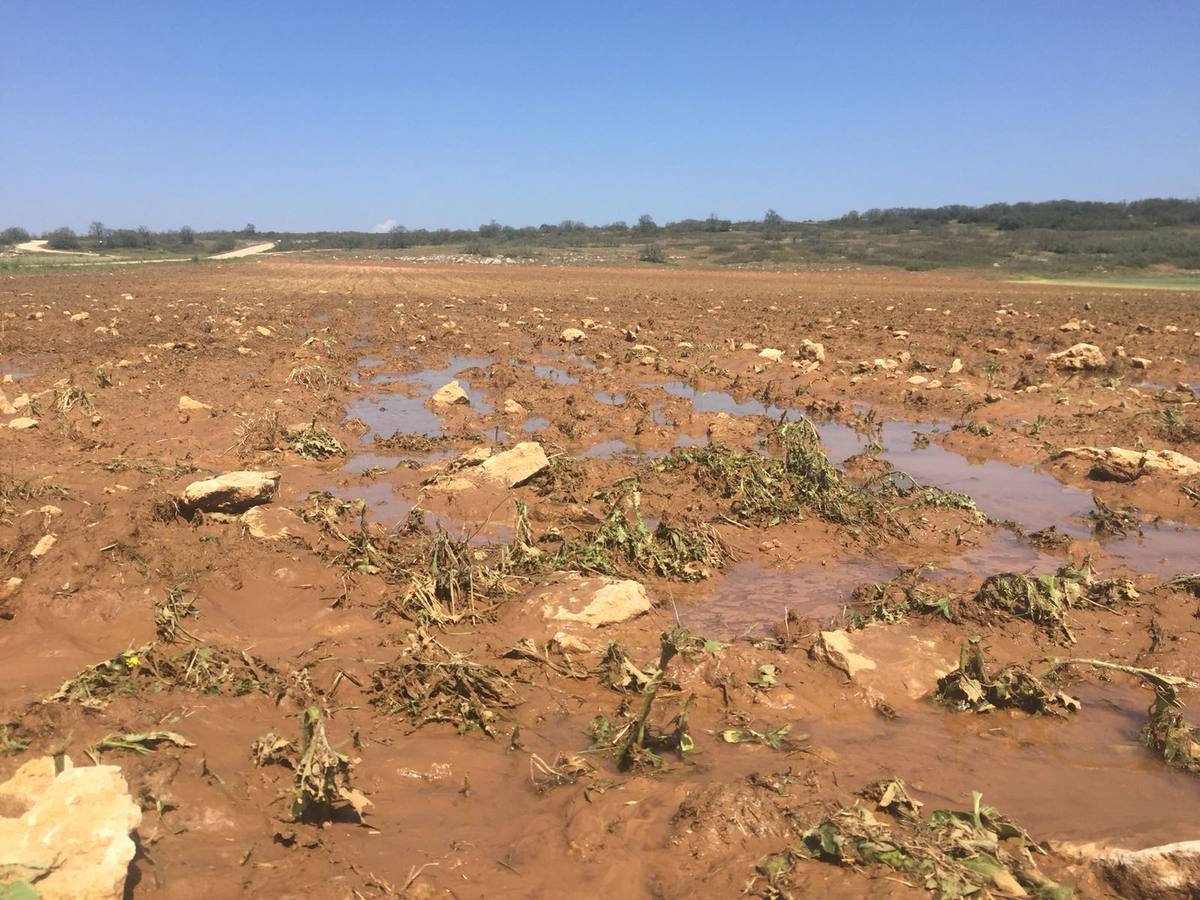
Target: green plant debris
x=429, y=683
x=767, y=490
x=618, y=672
x=70, y=397
x=312, y=442
x=169, y=613
x=449, y=580
x=952, y=854
x=315, y=378
x=206, y=669
x=322, y=778
x=970, y=687
x=766, y=677
x=146, y=742
x=894, y=600
x=1046, y=599
x=1167, y=733
x=11, y=741
x=642, y=745
x=271, y=749
x=622, y=542
x=774, y=738
x=1115, y=522
x=567, y=768
x=20, y=889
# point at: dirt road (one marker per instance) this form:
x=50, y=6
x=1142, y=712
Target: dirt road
x=40, y=247
x=245, y=251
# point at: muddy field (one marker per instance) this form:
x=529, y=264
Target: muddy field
x=669, y=602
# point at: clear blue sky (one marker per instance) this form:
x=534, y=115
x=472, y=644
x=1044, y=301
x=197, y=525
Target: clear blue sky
x=308, y=115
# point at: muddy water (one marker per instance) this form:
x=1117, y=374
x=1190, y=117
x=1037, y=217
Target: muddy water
x=406, y=411
x=1087, y=778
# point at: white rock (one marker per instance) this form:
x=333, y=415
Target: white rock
x=231, y=492
x=571, y=336
x=1131, y=462
x=43, y=546
x=516, y=466
x=10, y=587
x=594, y=602
x=1140, y=362
x=450, y=394
x=1078, y=357
x=187, y=403
x=513, y=408
x=770, y=353
x=955, y=367
x=811, y=350
x=79, y=821
x=268, y=523
x=22, y=423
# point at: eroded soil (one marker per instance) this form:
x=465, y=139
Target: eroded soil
x=669, y=361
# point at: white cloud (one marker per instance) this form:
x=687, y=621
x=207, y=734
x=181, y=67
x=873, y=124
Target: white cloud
x=385, y=226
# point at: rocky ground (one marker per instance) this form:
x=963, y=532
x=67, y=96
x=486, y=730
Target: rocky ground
x=381, y=579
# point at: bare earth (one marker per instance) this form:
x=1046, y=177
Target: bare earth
x=247, y=633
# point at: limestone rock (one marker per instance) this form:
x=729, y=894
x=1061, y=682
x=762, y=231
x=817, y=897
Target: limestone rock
x=10, y=587
x=450, y=394
x=43, y=546
x=512, y=407
x=955, y=367
x=836, y=648
x=771, y=354
x=187, y=404
x=268, y=523
x=571, y=336
x=22, y=423
x=1129, y=464
x=80, y=819
x=594, y=601
x=811, y=350
x=231, y=492
x=516, y=466
x=1166, y=872
x=1140, y=362
x=1078, y=357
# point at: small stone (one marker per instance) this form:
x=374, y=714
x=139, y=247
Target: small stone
x=187, y=403
x=1140, y=362
x=22, y=423
x=43, y=546
x=811, y=350
x=955, y=367
x=10, y=587
x=571, y=336
x=514, y=467
x=269, y=523
x=513, y=408
x=770, y=353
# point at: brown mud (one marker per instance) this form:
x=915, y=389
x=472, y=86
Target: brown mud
x=669, y=361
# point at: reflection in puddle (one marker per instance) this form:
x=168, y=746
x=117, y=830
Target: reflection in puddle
x=387, y=414
x=612, y=398
x=1084, y=779
x=555, y=374
x=718, y=401
x=535, y=423
x=748, y=598
x=369, y=362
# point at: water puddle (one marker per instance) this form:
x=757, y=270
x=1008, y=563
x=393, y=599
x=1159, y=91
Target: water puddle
x=406, y=412
x=611, y=448
x=555, y=374
x=1084, y=779
x=612, y=398
x=368, y=362
x=717, y=401
x=535, y=423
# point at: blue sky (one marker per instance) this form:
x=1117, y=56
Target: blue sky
x=343, y=116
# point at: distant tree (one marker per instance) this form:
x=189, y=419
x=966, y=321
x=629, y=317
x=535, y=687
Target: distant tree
x=646, y=225
x=187, y=235
x=715, y=223
x=145, y=238
x=398, y=238
x=619, y=227
x=773, y=223
x=490, y=230
x=14, y=235
x=97, y=231
x=62, y=239
x=249, y=229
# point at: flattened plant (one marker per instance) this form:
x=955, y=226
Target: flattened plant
x=312, y=442
x=952, y=854
x=322, y=779
x=429, y=683
x=970, y=687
